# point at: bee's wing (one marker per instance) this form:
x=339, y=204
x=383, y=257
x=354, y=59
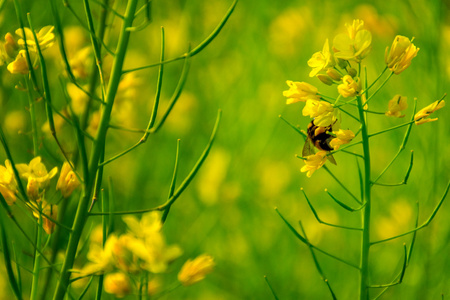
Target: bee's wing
x=331, y=159
x=307, y=148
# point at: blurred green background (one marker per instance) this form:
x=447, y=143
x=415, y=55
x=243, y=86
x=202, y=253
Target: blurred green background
x=228, y=210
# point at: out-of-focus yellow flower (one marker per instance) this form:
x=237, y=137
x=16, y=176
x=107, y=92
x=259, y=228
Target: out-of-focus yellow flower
x=117, y=284
x=45, y=37
x=399, y=57
x=300, y=91
x=324, y=113
x=353, y=45
x=8, y=184
x=10, y=46
x=349, y=87
x=334, y=74
x=79, y=98
x=51, y=211
x=396, y=106
x=325, y=79
x=422, y=116
x=154, y=286
x=101, y=259
x=149, y=244
x=321, y=60
x=36, y=171
x=67, y=181
x=81, y=62
x=195, y=270
x=314, y=162
x=19, y=65
x=342, y=137
x=94, y=122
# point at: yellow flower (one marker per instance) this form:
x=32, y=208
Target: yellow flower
x=51, y=211
x=324, y=113
x=195, y=270
x=36, y=171
x=422, y=116
x=314, y=162
x=117, y=284
x=300, y=91
x=396, y=105
x=79, y=99
x=321, y=60
x=353, y=45
x=147, y=242
x=349, y=87
x=342, y=137
x=101, y=259
x=45, y=37
x=10, y=46
x=399, y=57
x=8, y=184
x=19, y=65
x=67, y=181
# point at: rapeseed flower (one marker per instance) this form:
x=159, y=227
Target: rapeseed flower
x=314, y=162
x=8, y=184
x=349, y=87
x=68, y=180
x=195, y=270
x=396, y=106
x=321, y=60
x=300, y=92
x=355, y=44
x=342, y=137
x=117, y=284
x=399, y=56
x=423, y=114
x=45, y=38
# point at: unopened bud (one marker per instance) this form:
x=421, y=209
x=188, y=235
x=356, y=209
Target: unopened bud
x=334, y=74
x=325, y=79
x=352, y=72
x=342, y=63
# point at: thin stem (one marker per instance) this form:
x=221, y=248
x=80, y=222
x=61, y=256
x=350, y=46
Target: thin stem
x=34, y=130
x=379, y=88
x=365, y=241
x=37, y=260
x=375, y=81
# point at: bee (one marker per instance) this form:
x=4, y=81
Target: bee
x=319, y=138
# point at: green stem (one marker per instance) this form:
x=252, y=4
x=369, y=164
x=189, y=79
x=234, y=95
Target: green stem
x=82, y=213
x=37, y=261
x=33, y=120
x=365, y=241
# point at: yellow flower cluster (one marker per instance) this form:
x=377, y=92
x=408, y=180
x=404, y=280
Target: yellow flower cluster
x=14, y=53
x=139, y=251
x=38, y=182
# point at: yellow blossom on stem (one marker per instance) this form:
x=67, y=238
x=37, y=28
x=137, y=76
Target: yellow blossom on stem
x=148, y=244
x=20, y=64
x=321, y=60
x=36, y=172
x=324, y=113
x=422, y=116
x=195, y=270
x=100, y=258
x=67, y=181
x=300, y=91
x=349, y=87
x=399, y=56
x=8, y=184
x=117, y=284
x=396, y=106
x=51, y=211
x=314, y=162
x=10, y=46
x=353, y=45
x=342, y=137
x=45, y=37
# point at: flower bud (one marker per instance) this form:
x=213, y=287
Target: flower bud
x=350, y=87
x=33, y=189
x=352, y=72
x=334, y=74
x=325, y=79
x=67, y=181
x=117, y=284
x=195, y=270
x=399, y=57
x=422, y=116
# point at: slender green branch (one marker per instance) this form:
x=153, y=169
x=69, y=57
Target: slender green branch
x=392, y=128
x=34, y=130
x=379, y=88
x=323, y=222
x=270, y=287
x=303, y=240
x=316, y=262
x=294, y=127
x=197, y=49
x=375, y=81
x=405, y=180
x=345, y=206
x=402, y=273
x=342, y=185
x=426, y=223
x=172, y=184
x=37, y=260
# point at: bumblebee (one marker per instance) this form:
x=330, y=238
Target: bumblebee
x=319, y=138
